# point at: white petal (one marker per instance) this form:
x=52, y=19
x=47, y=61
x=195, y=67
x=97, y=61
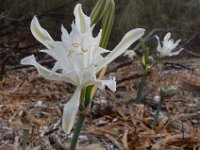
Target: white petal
x=177, y=42
x=46, y=73
x=65, y=35
x=88, y=75
x=59, y=53
x=176, y=52
x=39, y=33
x=82, y=21
x=56, y=67
x=111, y=84
x=98, y=38
x=159, y=44
x=70, y=111
x=167, y=36
x=127, y=40
x=97, y=57
x=75, y=34
x=50, y=53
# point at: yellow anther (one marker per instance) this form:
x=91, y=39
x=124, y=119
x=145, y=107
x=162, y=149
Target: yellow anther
x=75, y=44
x=69, y=53
x=84, y=50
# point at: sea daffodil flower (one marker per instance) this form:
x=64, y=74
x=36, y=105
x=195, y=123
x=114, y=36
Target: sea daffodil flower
x=78, y=58
x=167, y=46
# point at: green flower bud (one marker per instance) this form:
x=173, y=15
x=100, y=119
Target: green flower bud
x=169, y=92
x=163, y=92
x=150, y=60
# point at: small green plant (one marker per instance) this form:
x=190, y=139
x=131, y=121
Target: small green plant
x=164, y=94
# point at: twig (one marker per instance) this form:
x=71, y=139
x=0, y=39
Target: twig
x=115, y=142
x=192, y=53
x=157, y=114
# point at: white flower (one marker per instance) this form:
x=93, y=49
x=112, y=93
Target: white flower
x=168, y=46
x=78, y=58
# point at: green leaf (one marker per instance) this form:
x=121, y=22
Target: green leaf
x=107, y=23
x=146, y=52
x=169, y=92
x=98, y=11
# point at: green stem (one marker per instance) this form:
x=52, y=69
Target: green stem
x=140, y=89
x=157, y=114
x=82, y=99
x=25, y=138
x=77, y=132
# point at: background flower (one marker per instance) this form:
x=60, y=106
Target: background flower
x=167, y=46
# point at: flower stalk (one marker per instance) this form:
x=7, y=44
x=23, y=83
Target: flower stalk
x=140, y=89
x=77, y=130
x=164, y=94
x=157, y=114
x=146, y=70
x=25, y=138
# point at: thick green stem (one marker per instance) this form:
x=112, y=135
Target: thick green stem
x=157, y=114
x=140, y=89
x=77, y=131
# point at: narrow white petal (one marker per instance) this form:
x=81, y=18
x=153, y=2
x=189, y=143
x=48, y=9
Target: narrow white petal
x=177, y=42
x=98, y=38
x=70, y=111
x=97, y=57
x=75, y=34
x=50, y=53
x=159, y=44
x=40, y=34
x=88, y=75
x=126, y=41
x=48, y=74
x=65, y=35
x=176, y=52
x=167, y=36
x=56, y=67
x=82, y=21
x=111, y=84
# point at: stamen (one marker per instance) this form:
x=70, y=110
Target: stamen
x=84, y=50
x=69, y=53
x=75, y=44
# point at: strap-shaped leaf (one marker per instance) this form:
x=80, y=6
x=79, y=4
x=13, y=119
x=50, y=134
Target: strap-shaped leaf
x=98, y=11
x=107, y=24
